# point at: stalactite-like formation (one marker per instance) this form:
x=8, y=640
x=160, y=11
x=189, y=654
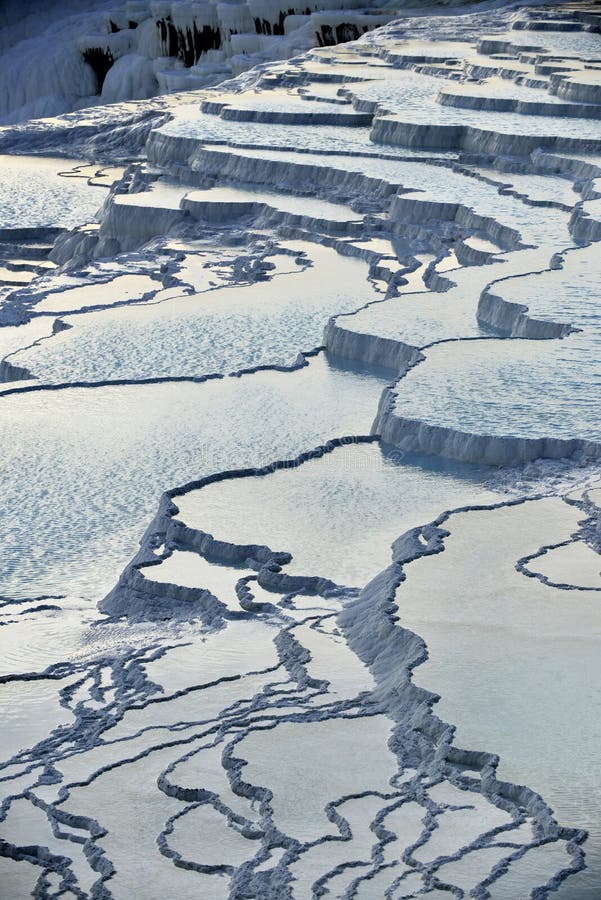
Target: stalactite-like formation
x=101, y=61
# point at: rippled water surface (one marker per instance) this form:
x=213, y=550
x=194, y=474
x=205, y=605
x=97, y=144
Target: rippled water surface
x=72, y=525
x=33, y=193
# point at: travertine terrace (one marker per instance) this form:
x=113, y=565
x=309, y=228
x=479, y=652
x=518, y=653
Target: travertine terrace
x=301, y=485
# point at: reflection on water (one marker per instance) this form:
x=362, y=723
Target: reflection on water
x=337, y=515
x=77, y=503
x=33, y=193
x=517, y=663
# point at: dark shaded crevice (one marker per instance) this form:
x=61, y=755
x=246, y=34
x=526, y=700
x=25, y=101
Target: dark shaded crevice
x=328, y=36
x=101, y=61
x=262, y=26
x=188, y=44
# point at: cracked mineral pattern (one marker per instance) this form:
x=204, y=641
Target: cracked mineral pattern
x=300, y=442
